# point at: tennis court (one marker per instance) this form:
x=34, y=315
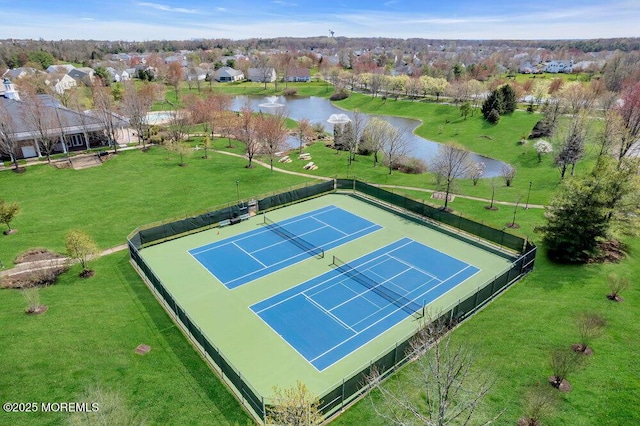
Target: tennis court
x=328, y=317
x=251, y=255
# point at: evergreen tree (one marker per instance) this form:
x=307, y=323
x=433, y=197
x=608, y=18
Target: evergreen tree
x=577, y=220
x=492, y=103
x=509, y=101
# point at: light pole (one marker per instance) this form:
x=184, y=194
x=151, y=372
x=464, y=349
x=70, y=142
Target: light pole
x=526, y=207
x=238, y=191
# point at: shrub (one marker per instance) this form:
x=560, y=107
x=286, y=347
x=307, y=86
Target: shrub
x=493, y=117
x=340, y=95
x=411, y=165
x=290, y=91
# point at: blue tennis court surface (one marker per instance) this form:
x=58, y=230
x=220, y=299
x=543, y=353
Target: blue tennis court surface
x=332, y=315
x=243, y=258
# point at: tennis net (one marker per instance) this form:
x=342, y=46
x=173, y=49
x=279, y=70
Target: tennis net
x=407, y=305
x=295, y=239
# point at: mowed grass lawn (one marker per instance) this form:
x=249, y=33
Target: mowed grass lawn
x=132, y=189
x=88, y=336
x=513, y=337
x=87, y=339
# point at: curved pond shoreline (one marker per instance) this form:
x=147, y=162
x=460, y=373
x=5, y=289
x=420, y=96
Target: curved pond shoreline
x=318, y=110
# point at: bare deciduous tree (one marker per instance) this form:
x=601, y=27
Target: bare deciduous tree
x=451, y=162
x=136, y=104
x=508, y=174
x=616, y=286
x=590, y=325
x=539, y=404
x=353, y=137
x=178, y=125
x=8, y=140
x=271, y=132
x=246, y=132
x=41, y=119
x=104, y=107
x=444, y=389
x=374, y=135
x=305, y=132
x=394, y=146
x=563, y=362
x=493, y=182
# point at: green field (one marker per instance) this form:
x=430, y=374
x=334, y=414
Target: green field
x=88, y=335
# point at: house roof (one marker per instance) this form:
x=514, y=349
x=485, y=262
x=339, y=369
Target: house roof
x=228, y=71
x=19, y=72
x=65, y=120
x=299, y=72
x=51, y=69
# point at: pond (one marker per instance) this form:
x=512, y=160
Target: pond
x=318, y=110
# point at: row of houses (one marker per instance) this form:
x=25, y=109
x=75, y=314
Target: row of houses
x=262, y=75
x=553, y=67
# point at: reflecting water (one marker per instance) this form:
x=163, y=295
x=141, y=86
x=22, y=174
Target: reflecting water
x=318, y=110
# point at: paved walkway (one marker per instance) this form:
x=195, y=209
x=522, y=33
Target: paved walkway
x=412, y=188
x=43, y=264
x=38, y=265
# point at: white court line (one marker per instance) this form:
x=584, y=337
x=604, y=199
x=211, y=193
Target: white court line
x=323, y=309
x=416, y=268
x=250, y=255
x=329, y=226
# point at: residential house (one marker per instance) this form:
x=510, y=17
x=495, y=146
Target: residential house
x=82, y=75
x=74, y=130
x=559, y=66
x=228, y=74
x=195, y=74
x=263, y=75
x=528, y=68
x=298, y=74
x=60, y=68
x=16, y=73
x=61, y=82
x=115, y=75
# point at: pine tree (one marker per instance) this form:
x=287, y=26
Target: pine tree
x=509, y=101
x=577, y=220
x=492, y=103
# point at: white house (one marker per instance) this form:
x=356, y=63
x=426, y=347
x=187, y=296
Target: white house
x=298, y=74
x=61, y=82
x=559, y=66
x=263, y=75
x=61, y=68
x=228, y=74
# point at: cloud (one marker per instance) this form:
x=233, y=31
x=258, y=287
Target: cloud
x=284, y=3
x=166, y=8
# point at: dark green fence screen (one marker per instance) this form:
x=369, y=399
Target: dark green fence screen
x=340, y=395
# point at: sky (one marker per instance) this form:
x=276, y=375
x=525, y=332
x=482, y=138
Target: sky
x=134, y=20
